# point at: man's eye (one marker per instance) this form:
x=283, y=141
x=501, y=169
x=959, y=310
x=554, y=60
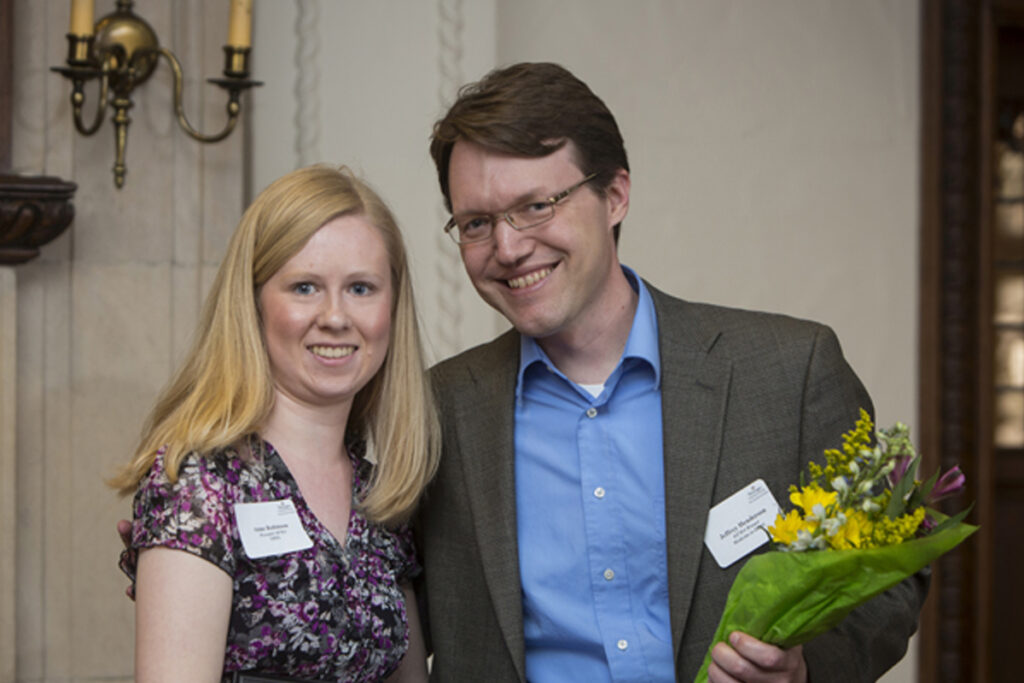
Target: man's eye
x=474, y=225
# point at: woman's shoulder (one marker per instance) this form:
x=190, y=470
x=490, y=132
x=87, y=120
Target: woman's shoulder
x=194, y=510
x=239, y=465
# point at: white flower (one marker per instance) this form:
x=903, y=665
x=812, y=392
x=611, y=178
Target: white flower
x=817, y=513
x=804, y=541
x=833, y=524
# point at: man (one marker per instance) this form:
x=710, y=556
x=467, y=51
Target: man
x=562, y=539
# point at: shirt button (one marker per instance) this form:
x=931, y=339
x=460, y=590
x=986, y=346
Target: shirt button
x=609, y=574
x=622, y=644
x=591, y=411
x=599, y=492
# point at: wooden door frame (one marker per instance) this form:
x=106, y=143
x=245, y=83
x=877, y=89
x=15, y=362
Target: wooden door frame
x=959, y=40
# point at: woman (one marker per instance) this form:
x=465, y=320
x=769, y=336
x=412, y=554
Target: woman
x=261, y=521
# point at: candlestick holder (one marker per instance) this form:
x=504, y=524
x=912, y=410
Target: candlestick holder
x=122, y=53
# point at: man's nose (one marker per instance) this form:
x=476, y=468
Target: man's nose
x=510, y=245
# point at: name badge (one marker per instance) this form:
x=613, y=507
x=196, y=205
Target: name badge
x=270, y=528
x=736, y=526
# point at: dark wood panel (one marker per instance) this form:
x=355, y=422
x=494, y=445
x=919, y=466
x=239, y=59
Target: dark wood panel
x=1009, y=475
x=1008, y=634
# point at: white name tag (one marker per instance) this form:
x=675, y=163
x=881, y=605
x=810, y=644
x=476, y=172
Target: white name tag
x=735, y=526
x=271, y=528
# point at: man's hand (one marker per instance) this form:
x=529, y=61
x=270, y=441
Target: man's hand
x=751, y=661
x=124, y=530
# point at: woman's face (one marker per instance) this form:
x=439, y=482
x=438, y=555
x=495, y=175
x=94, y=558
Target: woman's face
x=327, y=314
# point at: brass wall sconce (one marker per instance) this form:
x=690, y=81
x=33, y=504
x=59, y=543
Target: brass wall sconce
x=122, y=50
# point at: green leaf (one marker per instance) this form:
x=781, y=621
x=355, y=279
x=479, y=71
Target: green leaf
x=898, y=503
x=949, y=521
x=920, y=494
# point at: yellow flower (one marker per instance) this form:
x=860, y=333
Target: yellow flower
x=893, y=531
x=854, y=533
x=786, y=528
x=811, y=495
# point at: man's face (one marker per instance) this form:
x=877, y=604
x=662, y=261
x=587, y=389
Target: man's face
x=553, y=279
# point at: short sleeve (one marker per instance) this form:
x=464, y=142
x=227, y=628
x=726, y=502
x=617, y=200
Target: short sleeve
x=194, y=514
x=407, y=566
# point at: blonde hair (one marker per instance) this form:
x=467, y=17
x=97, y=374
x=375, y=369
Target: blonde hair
x=224, y=389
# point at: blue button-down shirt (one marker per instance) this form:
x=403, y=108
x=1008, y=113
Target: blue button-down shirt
x=590, y=505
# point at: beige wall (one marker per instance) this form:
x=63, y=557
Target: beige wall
x=373, y=78
x=774, y=154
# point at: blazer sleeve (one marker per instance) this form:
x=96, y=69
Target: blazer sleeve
x=873, y=638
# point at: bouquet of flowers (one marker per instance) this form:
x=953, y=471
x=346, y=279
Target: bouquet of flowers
x=861, y=524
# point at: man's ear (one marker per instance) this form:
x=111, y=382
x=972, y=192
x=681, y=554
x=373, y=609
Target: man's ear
x=617, y=195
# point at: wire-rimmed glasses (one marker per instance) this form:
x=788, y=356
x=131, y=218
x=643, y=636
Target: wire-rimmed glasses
x=477, y=227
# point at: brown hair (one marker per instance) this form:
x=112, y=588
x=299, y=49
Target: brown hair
x=532, y=109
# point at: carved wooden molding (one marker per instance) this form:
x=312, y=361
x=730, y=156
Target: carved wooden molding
x=950, y=291
x=33, y=211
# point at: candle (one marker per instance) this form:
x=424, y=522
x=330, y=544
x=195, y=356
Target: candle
x=81, y=17
x=240, y=23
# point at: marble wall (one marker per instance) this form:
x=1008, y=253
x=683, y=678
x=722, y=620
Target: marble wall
x=102, y=317
x=8, y=457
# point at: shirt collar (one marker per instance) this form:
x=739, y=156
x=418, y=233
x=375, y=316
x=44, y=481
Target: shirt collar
x=641, y=345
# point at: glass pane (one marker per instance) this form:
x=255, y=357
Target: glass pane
x=1009, y=422
x=1009, y=205
x=1009, y=221
x=1010, y=358
x=1009, y=172
x=1009, y=303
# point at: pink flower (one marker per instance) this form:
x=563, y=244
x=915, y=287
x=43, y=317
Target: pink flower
x=949, y=484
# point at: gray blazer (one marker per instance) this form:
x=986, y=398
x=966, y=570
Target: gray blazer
x=744, y=395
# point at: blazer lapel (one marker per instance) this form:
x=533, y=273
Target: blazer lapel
x=695, y=388
x=488, y=461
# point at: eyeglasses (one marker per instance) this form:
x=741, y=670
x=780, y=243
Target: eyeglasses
x=479, y=227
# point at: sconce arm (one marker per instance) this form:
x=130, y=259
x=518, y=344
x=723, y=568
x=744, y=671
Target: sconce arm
x=78, y=101
x=79, y=75
x=234, y=108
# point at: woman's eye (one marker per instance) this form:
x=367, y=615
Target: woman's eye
x=361, y=288
x=304, y=288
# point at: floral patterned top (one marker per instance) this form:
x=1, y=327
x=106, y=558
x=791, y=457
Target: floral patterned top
x=332, y=612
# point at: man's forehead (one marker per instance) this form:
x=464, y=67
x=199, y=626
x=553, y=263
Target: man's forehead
x=477, y=173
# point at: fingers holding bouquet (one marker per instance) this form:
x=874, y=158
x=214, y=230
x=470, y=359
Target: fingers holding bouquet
x=746, y=659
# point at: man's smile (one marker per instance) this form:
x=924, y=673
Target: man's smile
x=529, y=278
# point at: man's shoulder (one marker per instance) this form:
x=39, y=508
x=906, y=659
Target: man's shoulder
x=483, y=357
x=708, y=324
x=727, y=317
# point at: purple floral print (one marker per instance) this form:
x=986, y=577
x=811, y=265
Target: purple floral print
x=332, y=612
